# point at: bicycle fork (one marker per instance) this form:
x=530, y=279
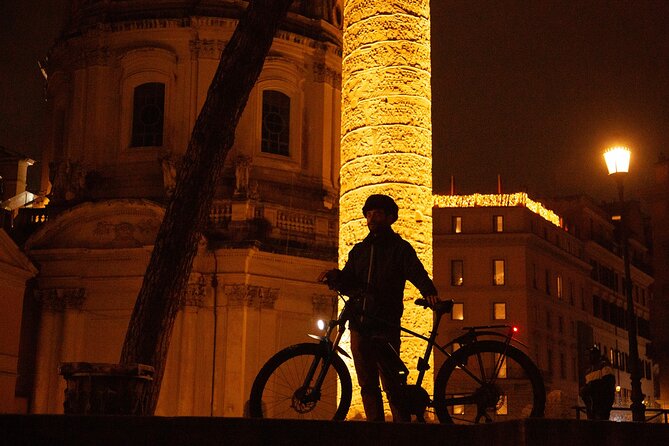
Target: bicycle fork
x=310, y=391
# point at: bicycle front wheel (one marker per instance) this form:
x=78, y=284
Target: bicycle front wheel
x=285, y=386
x=488, y=381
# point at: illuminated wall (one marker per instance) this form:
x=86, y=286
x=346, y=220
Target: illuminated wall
x=386, y=144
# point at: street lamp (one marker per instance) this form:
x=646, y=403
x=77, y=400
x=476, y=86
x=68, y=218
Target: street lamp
x=618, y=162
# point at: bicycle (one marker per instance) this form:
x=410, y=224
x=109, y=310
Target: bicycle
x=483, y=379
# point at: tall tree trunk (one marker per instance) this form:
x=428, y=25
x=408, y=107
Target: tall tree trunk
x=166, y=278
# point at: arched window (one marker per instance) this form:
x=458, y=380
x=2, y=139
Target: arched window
x=148, y=110
x=275, y=123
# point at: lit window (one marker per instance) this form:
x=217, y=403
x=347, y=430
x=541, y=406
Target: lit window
x=502, y=406
x=558, y=283
x=275, y=123
x=498, y=272
x=498, y=223
x=499, y=310
x=148, y=108
x=456, y=222
x=458, y=409
x=458, y=312
x=457, y=273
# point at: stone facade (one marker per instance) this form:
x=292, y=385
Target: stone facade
x=15, y=271
x=273, y=224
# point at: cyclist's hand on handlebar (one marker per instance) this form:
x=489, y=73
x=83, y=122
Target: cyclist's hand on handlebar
x=427, y=301
x=432, y=300
x=330, y=278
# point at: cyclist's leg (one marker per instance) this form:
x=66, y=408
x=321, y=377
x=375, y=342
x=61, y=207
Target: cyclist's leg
x=365, y=360
x=392, y=385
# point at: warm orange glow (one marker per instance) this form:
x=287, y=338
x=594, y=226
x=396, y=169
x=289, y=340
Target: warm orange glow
x=617, y=159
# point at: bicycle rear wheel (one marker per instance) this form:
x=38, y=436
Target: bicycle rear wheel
x=284, y=389
x=488, y=381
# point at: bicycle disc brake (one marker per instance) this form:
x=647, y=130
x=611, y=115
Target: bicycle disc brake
x=304, y=400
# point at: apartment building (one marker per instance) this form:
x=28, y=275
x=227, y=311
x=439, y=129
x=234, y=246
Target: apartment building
x=506, y=259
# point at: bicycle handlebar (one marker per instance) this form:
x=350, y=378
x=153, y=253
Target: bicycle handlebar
x=443, y=306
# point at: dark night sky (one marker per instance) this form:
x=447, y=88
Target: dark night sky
x=532, y=90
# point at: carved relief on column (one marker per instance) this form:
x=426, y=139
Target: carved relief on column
x=323, y=305
x=251, y=296
x=56, y=300
x=194, y=296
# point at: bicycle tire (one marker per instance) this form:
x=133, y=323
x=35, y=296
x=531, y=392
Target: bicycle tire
x=274, y=391
x=517, y=392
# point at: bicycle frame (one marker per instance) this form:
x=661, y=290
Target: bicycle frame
x=472, y=335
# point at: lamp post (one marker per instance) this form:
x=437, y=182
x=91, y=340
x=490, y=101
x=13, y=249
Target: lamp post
x=617, y=161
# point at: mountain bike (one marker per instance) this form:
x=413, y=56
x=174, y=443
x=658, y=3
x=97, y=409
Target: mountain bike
x=484, y=378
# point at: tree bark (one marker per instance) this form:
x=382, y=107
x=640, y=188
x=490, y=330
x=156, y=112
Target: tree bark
x=166, y=278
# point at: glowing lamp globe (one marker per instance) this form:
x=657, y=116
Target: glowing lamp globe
x=617, y=160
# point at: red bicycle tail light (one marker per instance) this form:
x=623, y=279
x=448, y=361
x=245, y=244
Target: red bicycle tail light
x=515, y=329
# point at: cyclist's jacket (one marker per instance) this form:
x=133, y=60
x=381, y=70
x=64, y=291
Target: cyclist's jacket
x=380, y=265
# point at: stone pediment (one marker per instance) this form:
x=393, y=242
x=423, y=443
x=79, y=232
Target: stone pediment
x=101, y=225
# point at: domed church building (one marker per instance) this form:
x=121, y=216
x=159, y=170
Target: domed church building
x=126, y=81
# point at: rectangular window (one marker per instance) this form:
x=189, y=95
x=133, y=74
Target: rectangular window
x=148, y=109
x=499, y=311
x=456, y=223
x=498, y=272
x=457, y=273
x=498, y=223
x=502, y=407
x=275, y=132
x=548, y=282
x=558, y=286
x=549, y=362
x=571, y=293
x=458, y=409
x=458, y=312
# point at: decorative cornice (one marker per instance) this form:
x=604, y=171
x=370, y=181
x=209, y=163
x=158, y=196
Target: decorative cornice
x=251, y=296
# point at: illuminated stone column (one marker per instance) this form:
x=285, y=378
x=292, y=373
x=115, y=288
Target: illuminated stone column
x=386, y=144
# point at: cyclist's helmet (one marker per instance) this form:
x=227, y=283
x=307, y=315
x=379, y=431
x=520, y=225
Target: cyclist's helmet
x=379, y=201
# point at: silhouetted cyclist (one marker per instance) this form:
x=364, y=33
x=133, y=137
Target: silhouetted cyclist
x=380, y=265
